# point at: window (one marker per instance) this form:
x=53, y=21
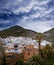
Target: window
x=28, y=53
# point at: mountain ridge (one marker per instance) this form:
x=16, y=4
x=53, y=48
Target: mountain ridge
x=17, y=31
x=20, y=31
x=49, y=35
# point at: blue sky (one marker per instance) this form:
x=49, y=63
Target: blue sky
x=37, y=15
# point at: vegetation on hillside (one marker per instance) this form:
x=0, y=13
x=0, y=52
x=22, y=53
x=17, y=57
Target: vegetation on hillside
x=49, y=35
x=17, y=31
x=20, y=31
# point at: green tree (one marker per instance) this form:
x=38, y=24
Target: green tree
x=48, y=55
x=19, y=62
x=3, y=53
x=47, y=51
x=52, y=44
x=35, y=60
x=39, y=38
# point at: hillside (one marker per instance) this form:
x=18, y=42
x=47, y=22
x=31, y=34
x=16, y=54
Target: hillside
x=49, y=35
x=20, y=31
x=17, y=31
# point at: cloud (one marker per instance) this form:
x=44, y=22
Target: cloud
x=39, y=26
x=32, y=4
x=4, y=22
x=36, y=15
x=41, y=12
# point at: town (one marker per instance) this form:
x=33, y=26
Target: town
x=26, y=32
x=20, y=47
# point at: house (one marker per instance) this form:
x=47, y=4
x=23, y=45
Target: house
x=29, y=51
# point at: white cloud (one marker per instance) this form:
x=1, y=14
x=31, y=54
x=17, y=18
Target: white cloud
x=41, y=10
x=4, y=22
x=10, y=4
x=31, y=5
x=39, y=26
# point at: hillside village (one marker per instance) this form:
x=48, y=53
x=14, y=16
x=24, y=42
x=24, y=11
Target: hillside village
x=9, y=43
x=17, y=43
x=21, y=46
x=26, y=32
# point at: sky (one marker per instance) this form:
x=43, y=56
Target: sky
x=37, y=15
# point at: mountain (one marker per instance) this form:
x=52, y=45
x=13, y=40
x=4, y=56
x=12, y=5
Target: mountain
x=20, y=31
x=17, y=31
x=49, y=35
